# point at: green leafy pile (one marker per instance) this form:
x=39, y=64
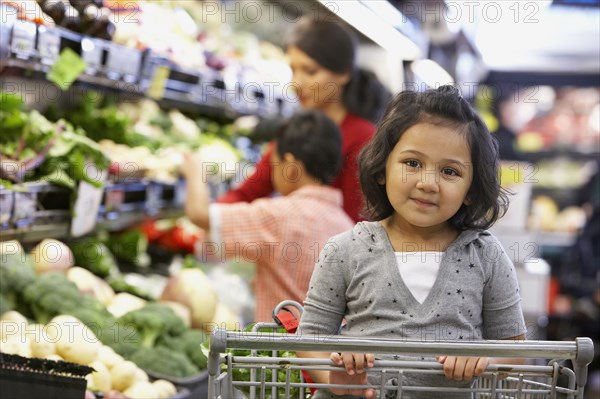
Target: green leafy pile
x=52, y=294
x=44, y=151
x=166, y=346
x=153, y=337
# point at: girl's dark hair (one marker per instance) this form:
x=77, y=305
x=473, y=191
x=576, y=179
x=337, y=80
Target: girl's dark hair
x=314, y=139
x=333, y=46
x=443, y=107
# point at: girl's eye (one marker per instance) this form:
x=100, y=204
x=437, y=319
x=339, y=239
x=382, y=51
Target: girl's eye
x=450, y=172
x=413, y=163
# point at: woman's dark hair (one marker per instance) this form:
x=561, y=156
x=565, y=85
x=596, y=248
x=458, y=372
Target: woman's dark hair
x=333, y=46
x=314, y=139
x=443, y=107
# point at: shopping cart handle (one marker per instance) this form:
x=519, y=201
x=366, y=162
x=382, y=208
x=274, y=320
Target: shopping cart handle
x=580, y=350
x=218, y=345
x=585, y=355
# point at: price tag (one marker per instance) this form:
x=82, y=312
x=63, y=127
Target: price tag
x=130, y=68
x=23, y=39
x=25, y=208
x=86, y=206
x=158, y=82
x=66, y=69
x=153, y=198
x=91, y=52
x=113, y=199
x=7, y=199
x=180, y=193
x=48, y=45
x=123, y=62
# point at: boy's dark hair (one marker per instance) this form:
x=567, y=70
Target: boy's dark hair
x=314, y=139
x=443, y=107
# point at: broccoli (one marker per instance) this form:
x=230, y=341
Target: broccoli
x=153, y=321
x=130, y=246
x=118, y=284
x=124, y=340
x=49, y=295
x=92, y=254
x=187, y=343
x=94, y=319
x=5, y=304
x=175, y=326
x=16, y=273
x=165, y=362
x=52, y=294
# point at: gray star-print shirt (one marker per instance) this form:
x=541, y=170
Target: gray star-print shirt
x=475, y=296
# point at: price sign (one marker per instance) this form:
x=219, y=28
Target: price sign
x=48, y=45
x=87, y=205
x=23, y=39
x=123, y=63
x=113, y=199
x=66, y=69
x=154, y=193
x=180, y=193
x=91, y=52
x=25, y=207
x=7, y=199
x=158, y=82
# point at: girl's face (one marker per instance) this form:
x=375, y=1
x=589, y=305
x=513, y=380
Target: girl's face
x=316, y=86
x=428, y=175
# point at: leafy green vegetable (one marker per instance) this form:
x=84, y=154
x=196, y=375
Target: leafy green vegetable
x=130, y=246
x=123, y=339
x=52, y=294
x=91, y=253
x=189, y=344
x=165, y=362
x=153, y=321
x=118, y=284
x=45, y=151
x=16, y=273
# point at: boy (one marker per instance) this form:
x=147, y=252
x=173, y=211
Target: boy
x=282, y=235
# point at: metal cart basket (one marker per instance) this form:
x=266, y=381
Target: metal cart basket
x=278, y=377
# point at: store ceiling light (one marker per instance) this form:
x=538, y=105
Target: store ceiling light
x=431, y=73
x=375, y=27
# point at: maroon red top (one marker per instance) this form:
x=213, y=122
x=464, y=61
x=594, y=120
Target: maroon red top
x=356, y=132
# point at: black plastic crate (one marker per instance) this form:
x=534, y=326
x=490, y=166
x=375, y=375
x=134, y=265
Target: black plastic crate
x=33, y=378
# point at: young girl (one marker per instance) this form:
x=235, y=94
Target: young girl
x=322, y=57
x=425, y=269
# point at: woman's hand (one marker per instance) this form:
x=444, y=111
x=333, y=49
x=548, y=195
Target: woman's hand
x=355, y=364
x=462, y=368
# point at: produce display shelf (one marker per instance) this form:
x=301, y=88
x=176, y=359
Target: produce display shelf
x=129, y=219
x=59, y=231
x=28, y=50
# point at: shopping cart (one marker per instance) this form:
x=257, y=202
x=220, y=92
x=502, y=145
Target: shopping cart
x=278, y=377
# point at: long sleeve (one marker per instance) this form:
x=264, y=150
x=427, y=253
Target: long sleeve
x=258, y=185
x=356, y=132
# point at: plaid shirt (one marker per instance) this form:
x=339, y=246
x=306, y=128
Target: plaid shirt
x=284, y=237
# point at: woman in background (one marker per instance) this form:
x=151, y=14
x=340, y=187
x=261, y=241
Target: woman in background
x=322, y=57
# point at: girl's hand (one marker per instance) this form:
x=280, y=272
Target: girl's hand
x=462, y=368
x=355, y=364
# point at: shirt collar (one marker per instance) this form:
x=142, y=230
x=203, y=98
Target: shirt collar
x=323, y=193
